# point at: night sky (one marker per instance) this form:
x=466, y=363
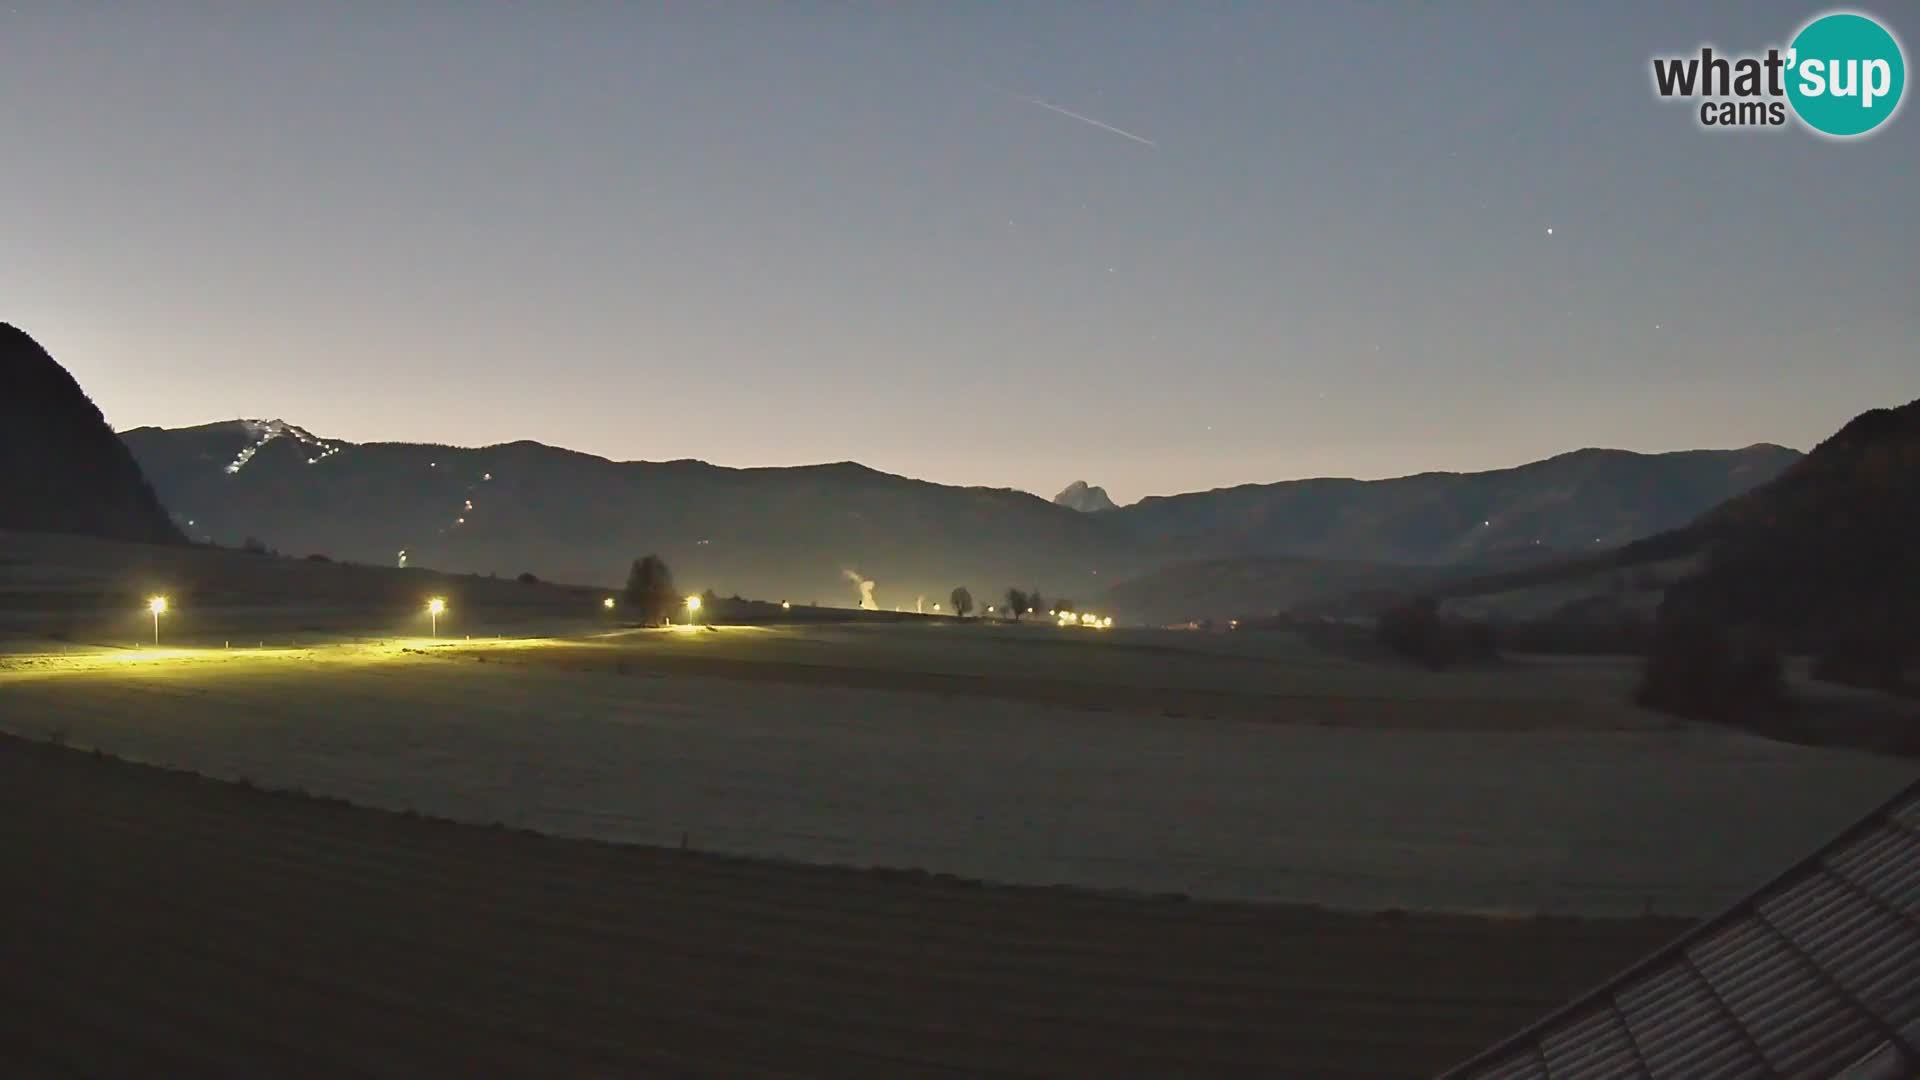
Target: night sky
x=1158, y=247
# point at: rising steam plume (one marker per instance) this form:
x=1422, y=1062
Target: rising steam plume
x=866, y=591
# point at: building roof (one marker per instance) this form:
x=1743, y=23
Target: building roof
x=1816, y=974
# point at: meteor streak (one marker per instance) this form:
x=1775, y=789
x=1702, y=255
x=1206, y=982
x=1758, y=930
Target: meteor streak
x=1090, y=120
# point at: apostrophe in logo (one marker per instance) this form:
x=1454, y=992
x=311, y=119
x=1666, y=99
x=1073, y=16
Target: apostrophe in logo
x=1846, y=74
x=1843, y=75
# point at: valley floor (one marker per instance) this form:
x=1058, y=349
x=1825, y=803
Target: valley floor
x=155, y=923
x=1040, y=760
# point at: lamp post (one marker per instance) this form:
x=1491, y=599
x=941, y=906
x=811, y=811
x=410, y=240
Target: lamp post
x=434, y=608
x=157, y=605
x=693, y=608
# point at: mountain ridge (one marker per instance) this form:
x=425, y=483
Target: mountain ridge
x=795, y=531
x=146, y=430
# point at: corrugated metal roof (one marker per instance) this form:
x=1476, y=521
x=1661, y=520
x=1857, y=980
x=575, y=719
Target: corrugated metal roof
x=1816, y=974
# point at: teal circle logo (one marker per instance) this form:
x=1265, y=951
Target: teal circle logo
x=1845, y=74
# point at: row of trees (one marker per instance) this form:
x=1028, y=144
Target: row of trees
x=1703, y=669
x=1020, y=603
x=1417, y=631
x=1699, y=664
x=650, y=594
x=1696, y=667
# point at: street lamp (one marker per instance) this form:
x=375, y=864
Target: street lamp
x=607, y=603
x=693, y=608
x=435, y=607
x=157, y=605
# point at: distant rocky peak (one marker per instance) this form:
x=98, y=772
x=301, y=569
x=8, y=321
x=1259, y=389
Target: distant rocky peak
x=1079, y=496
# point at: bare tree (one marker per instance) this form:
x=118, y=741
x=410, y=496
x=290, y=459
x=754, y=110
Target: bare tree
x=962, y=601
x=1016, y=603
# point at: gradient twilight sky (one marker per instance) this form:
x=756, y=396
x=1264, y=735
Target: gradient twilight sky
x=776, y=234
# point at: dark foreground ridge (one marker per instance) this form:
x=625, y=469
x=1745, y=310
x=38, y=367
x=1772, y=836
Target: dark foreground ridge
x=1817, y=974
x=158, y=923
x=62, y=469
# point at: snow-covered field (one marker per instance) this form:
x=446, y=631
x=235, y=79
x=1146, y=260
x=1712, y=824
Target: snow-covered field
x=1592, y=821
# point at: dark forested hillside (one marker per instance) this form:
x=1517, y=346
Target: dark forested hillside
x=1827, y=552
x=62, y=469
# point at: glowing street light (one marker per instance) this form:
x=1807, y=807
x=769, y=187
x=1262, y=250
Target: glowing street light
x=786, y=605
x=607, y=603
x=435, y=607
x=157, y=605
x=693, y=608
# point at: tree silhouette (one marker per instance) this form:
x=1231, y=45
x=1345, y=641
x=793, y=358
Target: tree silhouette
x=1016, y=603
x=1035, y=601
x=650, y=589
x=1704, y=670
x=1413, y=629
x=962, y=601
